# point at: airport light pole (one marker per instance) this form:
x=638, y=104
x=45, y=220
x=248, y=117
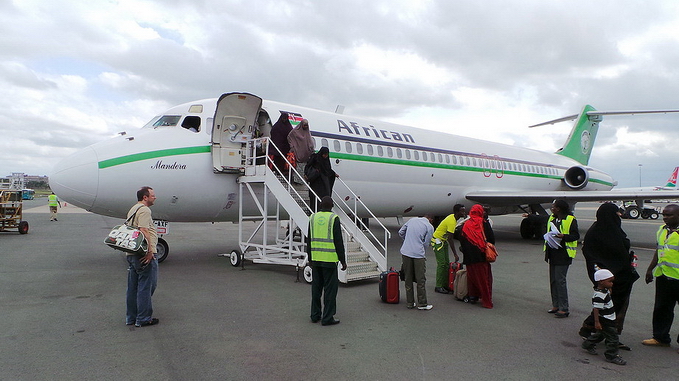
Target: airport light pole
x=640, y=175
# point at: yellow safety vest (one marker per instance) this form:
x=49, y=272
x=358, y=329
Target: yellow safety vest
x=668, y=254
x=322, y=239
x=564, y=229
x=52, y=200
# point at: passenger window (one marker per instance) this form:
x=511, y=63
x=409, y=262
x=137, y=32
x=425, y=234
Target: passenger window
x=408, y=154
x=338, y=146
x=380, y=151
x=390, y=152
x=359, y=148
x=348, y=146
x=424, y=156
x=447, y=159
x=416, y=154
x=468, y=161
x=191, y=123
x=324, y=143
x=399, y=154
x=454, y=159
x=440, y=158
x=370, y=149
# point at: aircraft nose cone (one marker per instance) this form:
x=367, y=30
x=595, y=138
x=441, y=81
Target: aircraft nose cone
x=75, y=179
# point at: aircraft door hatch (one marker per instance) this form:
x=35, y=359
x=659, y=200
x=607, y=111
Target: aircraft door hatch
x=234, y=124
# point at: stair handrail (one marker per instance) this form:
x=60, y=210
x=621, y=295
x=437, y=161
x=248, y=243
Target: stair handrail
x=357, y=220
x=252, y=157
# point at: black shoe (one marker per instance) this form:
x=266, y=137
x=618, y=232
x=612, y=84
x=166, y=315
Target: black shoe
x=561, y=314
x=153, y=321
x=331, y=322
x=553, y=311
x=441, y=290
x=315, y=320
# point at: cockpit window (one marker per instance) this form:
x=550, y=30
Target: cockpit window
x=167, y=120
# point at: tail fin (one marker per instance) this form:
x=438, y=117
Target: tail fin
x=672, y=181
x=579, y=143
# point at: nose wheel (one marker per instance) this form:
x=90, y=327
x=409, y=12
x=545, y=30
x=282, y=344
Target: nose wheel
x=162, y=250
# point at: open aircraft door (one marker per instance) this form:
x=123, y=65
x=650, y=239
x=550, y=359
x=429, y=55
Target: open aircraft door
x=234, y=124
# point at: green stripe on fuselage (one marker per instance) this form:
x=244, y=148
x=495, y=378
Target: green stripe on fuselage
x=377, y=159
x=374, y=159
x=152, y=155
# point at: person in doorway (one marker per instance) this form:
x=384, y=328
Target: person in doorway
x=440, y=244
x=606, y=246
x=53, y=203
x=301, y=146
x=142, y=277
x=473, y=235
x=279, y=137
x=320, y=175
x=664, y=267
x=325, y=248
x=416, y=235
x=559, y=248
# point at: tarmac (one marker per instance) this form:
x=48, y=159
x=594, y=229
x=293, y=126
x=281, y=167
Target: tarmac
x=63, y=306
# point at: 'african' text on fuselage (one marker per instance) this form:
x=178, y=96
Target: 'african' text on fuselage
x=354, y=129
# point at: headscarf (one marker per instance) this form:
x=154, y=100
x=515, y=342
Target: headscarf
x=322, y=163
x=279, y=134
x=605, y=242
x=301, y=142
x=473, y=227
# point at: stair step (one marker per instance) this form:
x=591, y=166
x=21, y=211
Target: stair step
x=358, y=256
x=361, y=267
x=360, y=276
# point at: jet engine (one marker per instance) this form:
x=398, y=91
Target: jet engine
x=576, y=177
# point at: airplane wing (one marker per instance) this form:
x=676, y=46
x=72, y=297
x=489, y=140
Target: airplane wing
x=519, y=198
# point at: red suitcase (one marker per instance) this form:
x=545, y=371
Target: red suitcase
x=389, y=286
x=452, y=271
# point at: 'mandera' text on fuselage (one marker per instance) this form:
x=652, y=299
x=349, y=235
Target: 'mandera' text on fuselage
x=354, y=129
x=161, y=165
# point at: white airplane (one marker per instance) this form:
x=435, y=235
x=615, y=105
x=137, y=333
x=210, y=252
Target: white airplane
x=396, y=170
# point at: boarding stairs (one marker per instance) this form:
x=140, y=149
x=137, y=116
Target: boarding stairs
x=281, y=216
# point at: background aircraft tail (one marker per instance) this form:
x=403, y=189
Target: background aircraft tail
x=579, y=144
x=672, y=181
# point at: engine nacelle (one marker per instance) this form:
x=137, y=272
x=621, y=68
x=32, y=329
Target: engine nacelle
x=576, y=177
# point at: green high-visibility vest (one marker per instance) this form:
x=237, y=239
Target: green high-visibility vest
x=564, y=229
x=668, y=254
x=52, y=200
x=322, y=239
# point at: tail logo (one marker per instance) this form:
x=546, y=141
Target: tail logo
x=585, y=142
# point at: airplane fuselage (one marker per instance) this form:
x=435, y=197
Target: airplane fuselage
x=395, y=169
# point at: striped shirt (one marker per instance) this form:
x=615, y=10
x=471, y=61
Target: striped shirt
x=602, y=301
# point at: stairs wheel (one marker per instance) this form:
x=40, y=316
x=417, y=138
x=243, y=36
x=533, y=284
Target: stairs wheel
x=308, y=274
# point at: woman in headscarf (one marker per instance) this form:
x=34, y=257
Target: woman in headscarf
x=320, y=175
x=473, y=235
x=301, y=145
x=606, y=246
x=279, y=137
x=559, y=253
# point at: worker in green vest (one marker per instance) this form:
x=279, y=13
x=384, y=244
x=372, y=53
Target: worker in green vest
x=53, y=203
x=325, y=248
x=665, y=268
x=561, y=241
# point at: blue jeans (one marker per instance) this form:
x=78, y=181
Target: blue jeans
x=141, y=284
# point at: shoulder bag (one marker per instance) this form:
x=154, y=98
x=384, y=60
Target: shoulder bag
x=127, y=238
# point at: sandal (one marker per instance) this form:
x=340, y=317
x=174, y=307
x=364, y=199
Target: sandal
x=624, y=347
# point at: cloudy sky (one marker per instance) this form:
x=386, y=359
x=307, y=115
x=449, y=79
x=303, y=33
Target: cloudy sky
x=76, y=72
